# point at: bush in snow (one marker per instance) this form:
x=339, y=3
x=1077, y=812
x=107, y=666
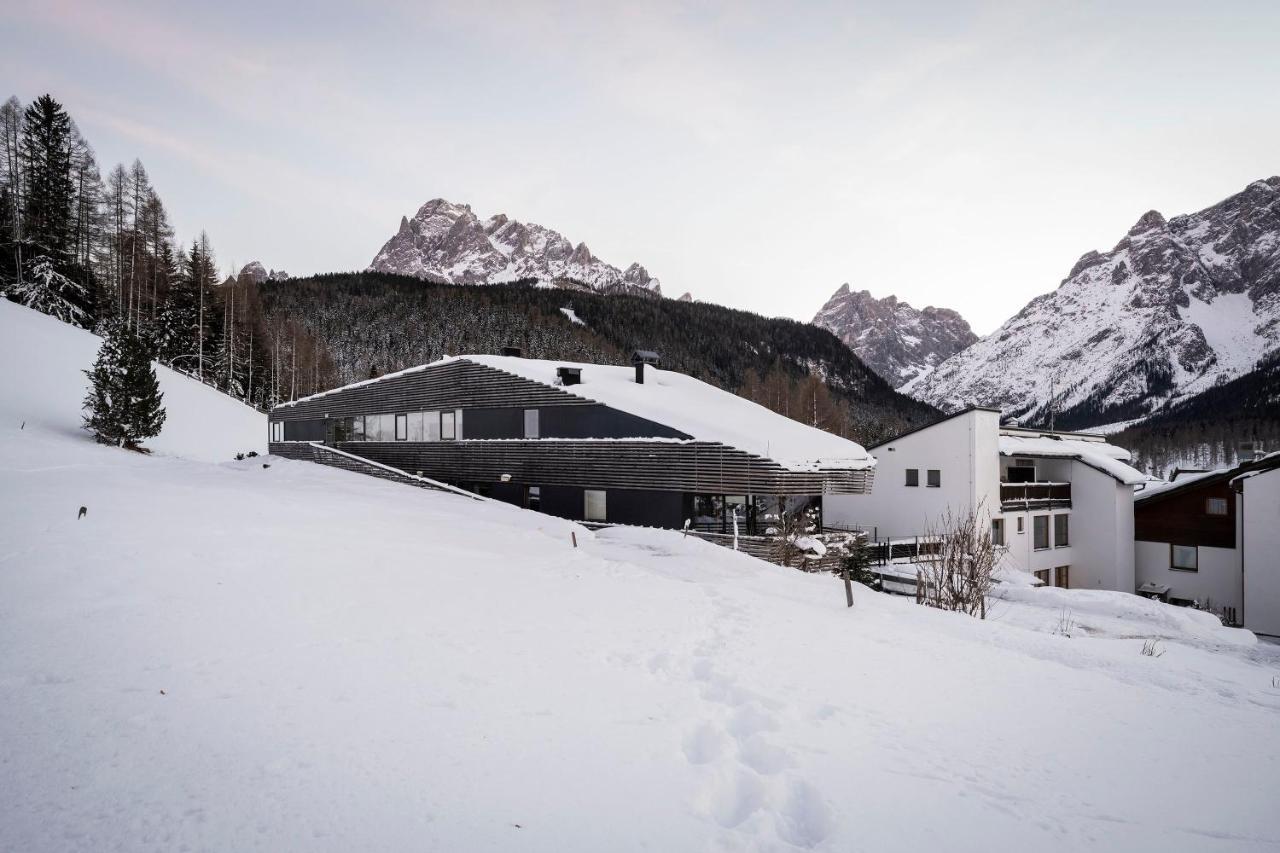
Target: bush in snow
x=123, y=406
x=959, y=576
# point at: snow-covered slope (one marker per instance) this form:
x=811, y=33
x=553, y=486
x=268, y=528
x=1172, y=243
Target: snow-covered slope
x=895, y=340
x=43, y=384
x=1176, y=307
x=446, y=242
x=233, y=657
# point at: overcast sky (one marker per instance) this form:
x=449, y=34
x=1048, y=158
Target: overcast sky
x=954, y=154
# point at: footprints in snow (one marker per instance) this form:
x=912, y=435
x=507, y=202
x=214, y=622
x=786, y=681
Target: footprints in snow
x=748, y=785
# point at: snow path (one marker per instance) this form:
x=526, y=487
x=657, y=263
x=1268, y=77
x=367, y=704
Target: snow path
x=240, y=657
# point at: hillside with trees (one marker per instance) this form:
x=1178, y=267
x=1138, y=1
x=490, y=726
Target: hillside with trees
x=94, y=251
x=371, y=323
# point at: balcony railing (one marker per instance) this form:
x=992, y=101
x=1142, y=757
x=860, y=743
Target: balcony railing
x=1015, y=496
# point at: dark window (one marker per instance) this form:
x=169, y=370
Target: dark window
x=1060, y=530
x=997, y=531
x=1040, y=530
x=1062, y=577
x=533, y=497
x=1021, y=473
x=277, y=431
x=1043, y=576
x=1215, y=506
x=447, y=422
x=1184, y=557
x=1020, y=528
x=934, y=478
x=531, y=423
x=402, y=427
x=913, y=476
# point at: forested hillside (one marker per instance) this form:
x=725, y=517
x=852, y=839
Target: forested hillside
x=1209, y=429
x=371, y=323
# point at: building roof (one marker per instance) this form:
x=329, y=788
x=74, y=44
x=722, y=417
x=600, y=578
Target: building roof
x=933, y=423
x=703, y=411
x=1187, y=481
x=1091, y=451
x=698, y=409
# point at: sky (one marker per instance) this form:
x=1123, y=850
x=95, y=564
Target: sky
x=955, y=154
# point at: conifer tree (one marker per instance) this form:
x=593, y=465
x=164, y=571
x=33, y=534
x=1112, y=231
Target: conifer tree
x=124, y=401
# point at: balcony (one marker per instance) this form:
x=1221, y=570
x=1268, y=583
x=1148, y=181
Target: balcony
x=1024, y=496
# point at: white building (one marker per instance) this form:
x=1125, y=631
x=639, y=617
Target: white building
x=1060, y=504
x=1212, y=539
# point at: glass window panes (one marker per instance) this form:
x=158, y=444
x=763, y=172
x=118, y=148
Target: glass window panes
x=997, y=531
x=531, y=423
x=446, y=426
x=1040, y=530
x=935, y=478
x=594, y=508
x=913, y=476
x=1184, y=557
x=1215, y=506
x=431, y=424
x=417, y=431
x=1060, y=531
x=402, y=427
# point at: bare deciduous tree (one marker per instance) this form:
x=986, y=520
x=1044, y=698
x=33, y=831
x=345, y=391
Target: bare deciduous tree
x=958, y=577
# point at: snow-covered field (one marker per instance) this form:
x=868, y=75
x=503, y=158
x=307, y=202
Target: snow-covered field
x=233, y=657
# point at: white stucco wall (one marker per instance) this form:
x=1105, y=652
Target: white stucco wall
x=1258, y=508
x=1103, y=531
x=1216, y=584
x=953, y=446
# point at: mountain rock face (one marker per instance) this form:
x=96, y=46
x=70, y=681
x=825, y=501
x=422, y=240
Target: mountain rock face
x=447, y=243
x=895, y=340
x=1176, y=307
x=256, y=271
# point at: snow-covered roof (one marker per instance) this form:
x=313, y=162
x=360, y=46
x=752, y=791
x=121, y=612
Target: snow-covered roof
x=1182, y=480
x=698, y=409
x=694, y=407
x=1105, y=457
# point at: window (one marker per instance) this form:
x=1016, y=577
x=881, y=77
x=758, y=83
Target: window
x=1062, y=577
x=934, y=478
x=431, y=426
x=531, y=423
x=402, y=427
x=533, y=497
x=594, y=505
x=1060, y=530
x=1042, y=576
x=1040, y=531
x=277, y=430
x=447, y=424
x=913, y=476
x=1184, y=557
x=997, y=531
x=1215, y=506
x=417, y=427
x=1020, y=528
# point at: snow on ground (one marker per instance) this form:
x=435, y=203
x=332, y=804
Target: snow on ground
x=230, y=656
x=200, y=422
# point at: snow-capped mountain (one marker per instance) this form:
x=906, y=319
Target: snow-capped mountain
x=1176, y=307
x=256, y=271
x=895, y=340
x=448, y=243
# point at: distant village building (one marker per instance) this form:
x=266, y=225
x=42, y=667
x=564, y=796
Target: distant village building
x=591, y=442
x=1059, y=504
x=1212, y=539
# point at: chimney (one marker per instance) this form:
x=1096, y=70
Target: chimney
x=514, y=352
x=569, y=375
x=639, y=359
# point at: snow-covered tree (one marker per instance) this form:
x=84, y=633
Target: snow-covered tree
x=45, y=289
x=123, y=407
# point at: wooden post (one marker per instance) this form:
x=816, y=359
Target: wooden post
x=848, y=586
x=574, y=536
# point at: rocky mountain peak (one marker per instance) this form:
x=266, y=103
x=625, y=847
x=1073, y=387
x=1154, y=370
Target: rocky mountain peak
x=891, y=337
x=1178, y=306
x=258, y=273
x=446, y=242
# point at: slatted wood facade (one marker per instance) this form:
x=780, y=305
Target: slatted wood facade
x=640, y=463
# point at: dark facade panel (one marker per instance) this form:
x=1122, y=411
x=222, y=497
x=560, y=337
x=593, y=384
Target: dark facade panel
x=678, y=466
x=308, y=430
x=600, y=421
x=1181, y=518
x=494, y=423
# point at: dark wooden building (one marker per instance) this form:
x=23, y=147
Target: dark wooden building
x=630, y=445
